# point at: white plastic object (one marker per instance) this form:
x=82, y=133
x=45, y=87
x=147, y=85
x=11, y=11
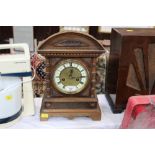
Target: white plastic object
x=15, y=63
x=11, y=100
x=19, y=63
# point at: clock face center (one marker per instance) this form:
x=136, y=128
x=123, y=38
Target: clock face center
x=70, y=77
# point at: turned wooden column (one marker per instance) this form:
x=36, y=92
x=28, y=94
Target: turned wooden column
x=93, y=80
x=47, y=79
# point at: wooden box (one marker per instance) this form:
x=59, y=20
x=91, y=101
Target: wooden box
x=131, y=66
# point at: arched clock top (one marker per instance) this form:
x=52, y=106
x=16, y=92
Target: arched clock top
x=70, y=40
x=70, y=43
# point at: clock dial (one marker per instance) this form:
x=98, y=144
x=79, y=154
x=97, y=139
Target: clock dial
x=70, y=77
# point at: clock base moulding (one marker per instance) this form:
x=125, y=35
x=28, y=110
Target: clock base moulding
x=69, y=109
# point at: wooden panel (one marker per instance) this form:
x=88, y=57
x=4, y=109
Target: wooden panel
x=71, y=99
x=140, y=64
x=70, y=40
x=132, y=80
x=6, y=32
x=76, y=110
x=94, y=31
x=42, y=32
x=151, y=57
x=133, y=66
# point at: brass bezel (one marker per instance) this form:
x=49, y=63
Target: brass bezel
x=77, y=62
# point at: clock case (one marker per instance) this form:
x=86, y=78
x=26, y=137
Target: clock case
x=77, y=46
x=131, y=65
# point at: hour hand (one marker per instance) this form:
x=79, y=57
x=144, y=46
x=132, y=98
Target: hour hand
x=71, y=73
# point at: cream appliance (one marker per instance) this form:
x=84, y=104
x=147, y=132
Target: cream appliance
x=15, y=80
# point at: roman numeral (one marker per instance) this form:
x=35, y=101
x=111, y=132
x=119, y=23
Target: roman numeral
x=81, y=82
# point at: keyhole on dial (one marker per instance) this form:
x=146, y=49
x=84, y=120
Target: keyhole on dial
x=77, y=79
x=63, y=79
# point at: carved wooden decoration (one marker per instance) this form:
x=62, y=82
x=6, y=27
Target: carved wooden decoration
x=131, y=68
x=70, y=75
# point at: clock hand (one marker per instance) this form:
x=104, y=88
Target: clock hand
x=71, y=73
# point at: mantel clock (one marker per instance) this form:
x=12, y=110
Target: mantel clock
x=70, y=75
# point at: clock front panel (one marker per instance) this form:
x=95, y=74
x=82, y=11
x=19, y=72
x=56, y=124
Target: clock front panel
x=70, y=77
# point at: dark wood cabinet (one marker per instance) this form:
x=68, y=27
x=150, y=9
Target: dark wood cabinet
x=6, y=32
x=42, y=32
x=131, y=66
x=94, y=31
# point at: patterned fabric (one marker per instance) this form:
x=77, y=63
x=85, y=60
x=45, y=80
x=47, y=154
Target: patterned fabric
x=101, y=73
x=38, y=63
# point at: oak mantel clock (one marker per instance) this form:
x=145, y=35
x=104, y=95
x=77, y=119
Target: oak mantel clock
x=70, y=75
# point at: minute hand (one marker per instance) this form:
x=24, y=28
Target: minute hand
x=71, y=73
